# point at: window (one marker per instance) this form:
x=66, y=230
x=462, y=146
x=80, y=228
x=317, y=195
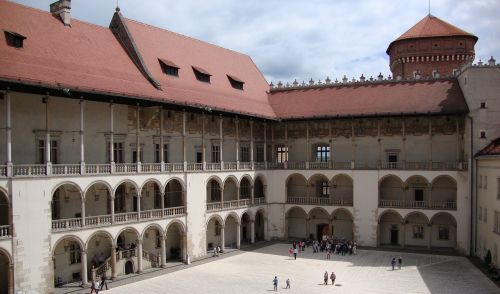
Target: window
x=134, y=155
x=444, y=233
x=215, y=153
x=496, y=223
x=14, y=39
x=260, y=153
x=483, y=105
x=322, y=153
x=54, y=151
x=74, y=253
x=244, y=190
x=169, y=68
x=419, y=195
x=418, y=232
x=117, y=152
x=165, y=153
x=245, y=153
x=392, y=158
x=281, y=154
x=325, y=189
x=483, y=134
x=201, y=74
x=235, y=82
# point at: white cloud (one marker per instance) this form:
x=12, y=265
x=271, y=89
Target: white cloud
x=302, y=39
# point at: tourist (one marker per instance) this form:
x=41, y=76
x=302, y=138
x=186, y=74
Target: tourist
x=400, y=261
x=215, y=252
x=103, y=282
x=325, y=277
x=393, y=262
x=290, y=251
x=219, y=251
x=295, y=251
x=328, y=253
x=287, y=283
x=275, y=283
x=333, y=277
x=94, y=287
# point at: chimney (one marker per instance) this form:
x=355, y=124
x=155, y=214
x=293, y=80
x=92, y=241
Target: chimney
x=62, y=9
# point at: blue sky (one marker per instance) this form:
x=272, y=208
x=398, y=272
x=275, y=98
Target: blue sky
x=298, y=39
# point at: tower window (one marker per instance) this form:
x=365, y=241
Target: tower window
x=201, y=74
x=483, y=134
x=14, y=39
x=235, y=82
x=169, y=68
x=483, y=105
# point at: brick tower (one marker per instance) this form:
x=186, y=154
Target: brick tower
x=432, y=47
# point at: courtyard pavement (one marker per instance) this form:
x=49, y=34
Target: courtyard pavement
x=367, y=272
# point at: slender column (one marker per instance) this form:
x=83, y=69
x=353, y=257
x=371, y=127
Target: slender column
x=222, y=239
x=8, y=132
x=429, y=245
x=265, y=145
x=162, y=158
x=403, y=235
x=238, y=192
x=237, y=123
x=163, y=240
x=139, y=256
x=252, y=194
x=112, y=209
x=139, y=204
x=111, y=135
x=308, y=230
x=162, y=200
x=47, y=132
x=252, y=231
x=221, y=146
x=10, y=282
x=137, y=141
x=251, y=144
x=330, y=135
x=82, y=132
x=113, y=262
x=238, y=235
x=184, y=252
x=83, y=258
x=184, y=158
x=203, y=155
x=83, y=212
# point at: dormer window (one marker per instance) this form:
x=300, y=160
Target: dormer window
x=14, y=39
x=201, y=74
x=235, y=82
x=169, y=68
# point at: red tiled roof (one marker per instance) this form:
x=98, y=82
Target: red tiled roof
x=492, y=149
x=87, y=56
x=364, y=99
x=431, y=26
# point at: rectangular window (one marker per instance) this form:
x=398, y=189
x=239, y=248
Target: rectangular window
x=325, y=189
x=157, y=153
x=74, y=253
x=245, y=154
x=14, y=39
x=444, y=233
x=419, y=195
x=134, y=156
x=418, y=232
x=117, y=152
x=215, y=153
x=392, y=158
x=54, y=151
x=281, y=154
x=322, y=153
x=260, y=153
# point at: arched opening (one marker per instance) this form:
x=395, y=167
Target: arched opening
x=230, y=190
x=245, y=189
x=443, y=231
x=127, y=244
x=296, y=219
x=5, y=284
x=296, y=189
x=99, y=248
x=390, y=229
x=4, y=216
x=214, y=231
x=126, y=200
x=213, y=191
x=174, y=244
x=343, y=224
x=443, y=194
x=259, y=191
x=174, y=194
x=151, y=246
x=67, y=262
x=319, y=224
x=416, y=230
x=260, y=226
x=246, y=228
x=319, y=190
x=97, y=203
x=417, y=192
x=150, y=196
x=391, y=192
x=231, y=231
x=342, y=190
x=67, y=204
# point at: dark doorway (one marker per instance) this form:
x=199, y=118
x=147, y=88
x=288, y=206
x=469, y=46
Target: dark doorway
x=394, y=235
x=129, y=268
x=245, y=233
x=199, y=157
x=135, y=203
x=322, y=230
x=419, y=195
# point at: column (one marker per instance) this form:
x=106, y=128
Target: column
x=83, y=212
x=251, y=144
x=82, y=132
x=403, y=235
x=265, y=145
x=112, y=209
x=252, y=194
x=238, y=235
x=429, y=245
x=137, y=141
x=184, y=253
x=162, y=200
x=83, y=258
x=113, y=263
x=184, y=158
x=266, y=231
x=203, y=155
x=111, y=137
x=237, y=144
x=163, y=240
x=353, y=147
x=139, y=256
x=47, y=134
x=222, y=238
x=8, y=133
x=286, y=146
x=139, y=204
x=252, y=231
x=308, y=230
x=307, y=146
x=161, y=149
x=221, y=137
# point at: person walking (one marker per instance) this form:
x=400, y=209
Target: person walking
x=295, y=251
x=275, y=283
x=393, y=262
x=94, y=287
x=325, y=277
x=103, y=282
x=333, y=277
x=400, y=262
x=290, y=251
x=287, y=283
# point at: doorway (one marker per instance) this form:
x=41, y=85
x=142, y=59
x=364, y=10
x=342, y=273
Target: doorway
x=419, y=195
x=322, y=230
x=394, y=235
x=129, y=267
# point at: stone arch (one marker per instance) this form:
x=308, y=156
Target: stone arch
x=246, y=184
x=231, y=225
x=104, y=183
x=69, y=183
x=296, y=185
x=318, y=186
x=151, y=198
x=175, y=243
x=317, y=176
x=443, y=230
x=416, y=179
x=98, y=196
x=214, y=232
x=417, y=190
x=233, y=215
x=320, y=209
x=217, y=179
x=344, y=211
x=63, y=200
x=443, y=214
x=416, y=229
x=67, y=257
x=248, y=177
x=216, y=217
x=137, y=233
x=443, y=192
x=261, y=177
x=296, y=225
x=343, y=224
x=5, y=214
x=260, y=222
x=6, y=194
x=231, y=178
x=7, y=254
x=122, y=203
x=245, y=227
x=249, y=213
x=156, y=181
x=390, y=211
x=342, y=190
x=230, y=189
x=180, y=182
x=259, y=187
x=127, y=181
x=151, y=226
x=214, y=190
x=416, y=214
x=391, y=189
x=174, y=194
x=318, y=222
x=390, y=228
x=174, y=222
x=64, y=238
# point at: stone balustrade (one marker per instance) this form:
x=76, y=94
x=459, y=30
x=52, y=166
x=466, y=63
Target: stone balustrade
x=234, y=204
x=408, y=204
x=326, y=201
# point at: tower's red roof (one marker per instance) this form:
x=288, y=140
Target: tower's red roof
x=431, y=26
x=492, y=149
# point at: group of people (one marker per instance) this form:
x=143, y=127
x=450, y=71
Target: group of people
x=332, y=277
x=327, y=245
x=399, y=261
x=95, y=286
x=217, y=251
x=275, y=283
